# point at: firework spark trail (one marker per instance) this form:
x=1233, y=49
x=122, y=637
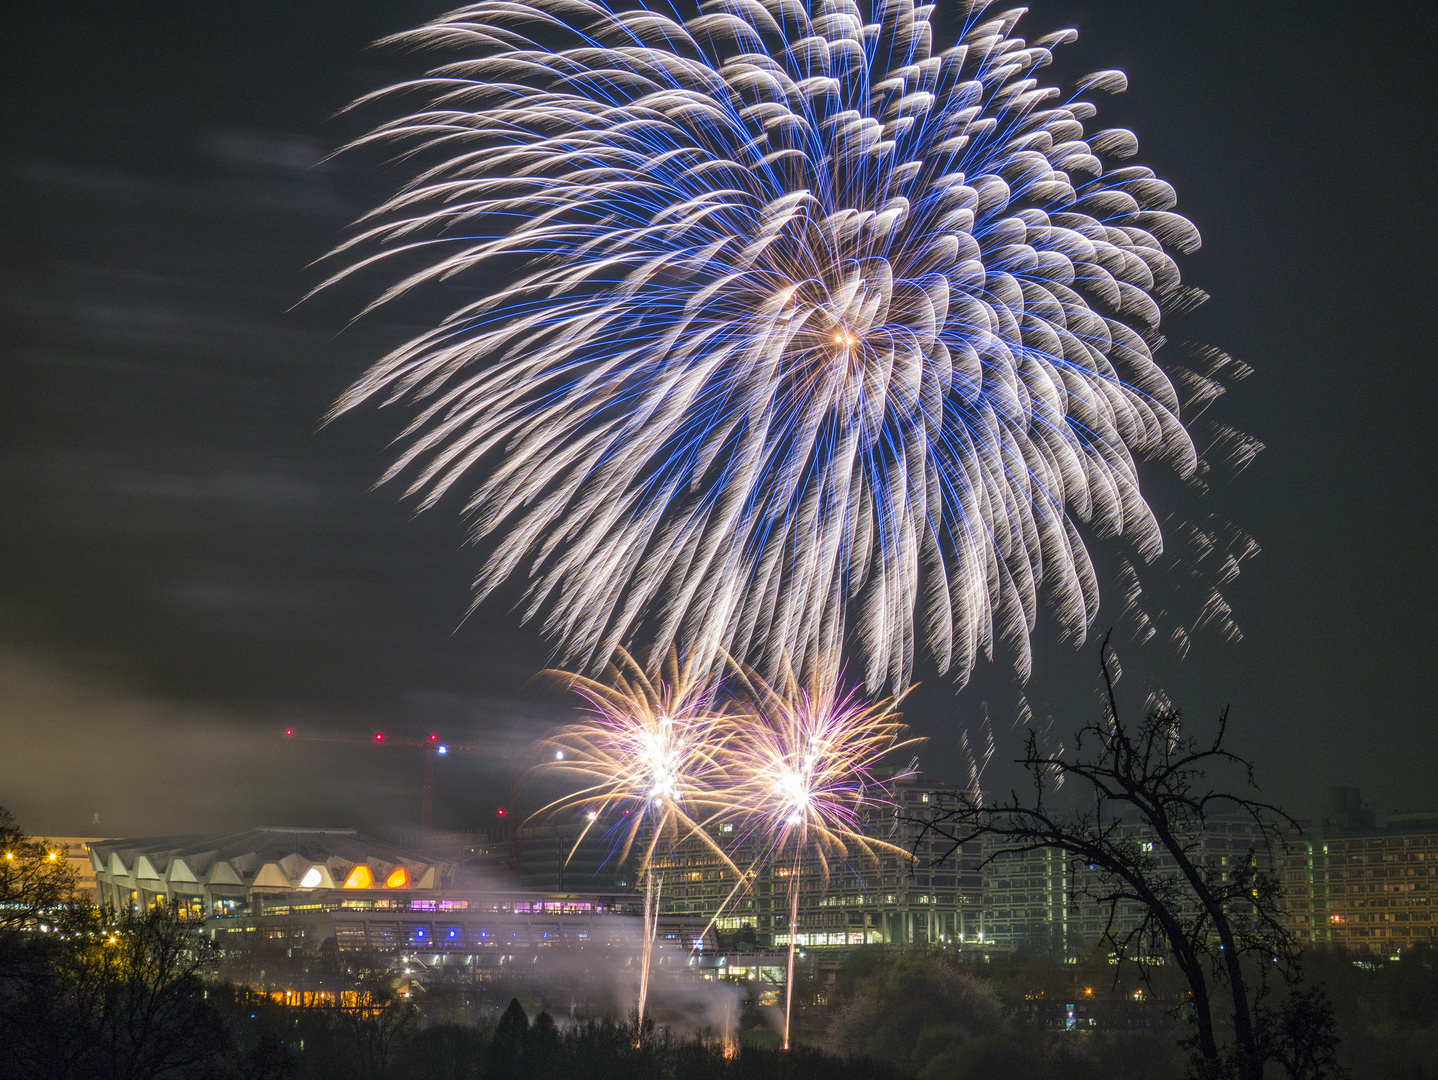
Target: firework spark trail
x=789, y=968
x=651, y=743
x=655, y=744
x=653, y=888
x=801, y=775
x=787, y=329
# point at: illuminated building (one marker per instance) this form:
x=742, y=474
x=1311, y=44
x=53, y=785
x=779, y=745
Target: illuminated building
x=75, y=851
x=224, y=874
x=285, y=944
x=1043, y=900
x=863, y=902
x=278, y=901
x=1353, y=883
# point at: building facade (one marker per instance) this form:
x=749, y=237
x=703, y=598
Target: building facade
x=1046, y=901
x=1026, y=898
x=225, y=874
x=581, y=855
x=845, y=900
x=575, y=890
x=1365, y=887
x=302, y=887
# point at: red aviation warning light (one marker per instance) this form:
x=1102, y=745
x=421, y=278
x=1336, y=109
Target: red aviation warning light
x=431, y=748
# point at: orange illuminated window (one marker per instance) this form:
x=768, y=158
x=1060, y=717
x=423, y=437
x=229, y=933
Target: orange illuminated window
x=398, y=879
x=361, y=877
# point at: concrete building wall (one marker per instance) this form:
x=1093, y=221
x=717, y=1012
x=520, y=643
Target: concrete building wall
x=1047, y=901
x=1371, y=889
x=1026, y=897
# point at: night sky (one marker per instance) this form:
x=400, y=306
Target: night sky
x=189, y=562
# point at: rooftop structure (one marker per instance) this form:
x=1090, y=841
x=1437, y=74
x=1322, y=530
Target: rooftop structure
x=221, y=874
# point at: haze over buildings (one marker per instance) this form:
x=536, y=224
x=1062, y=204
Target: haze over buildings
x=279, y=899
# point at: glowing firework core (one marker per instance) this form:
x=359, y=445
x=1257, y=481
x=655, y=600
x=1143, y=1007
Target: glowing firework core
x=794, y=789
x=661, y=759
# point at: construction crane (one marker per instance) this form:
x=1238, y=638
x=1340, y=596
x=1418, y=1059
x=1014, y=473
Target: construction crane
x=433, y=747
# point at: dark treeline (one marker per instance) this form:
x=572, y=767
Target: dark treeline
x=127, y=999
x=134, y=1004
x=317, y=1043
x=933, y=1018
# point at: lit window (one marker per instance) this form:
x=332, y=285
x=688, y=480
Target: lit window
x=311, y=879
x=398, y=879
x=361, y=877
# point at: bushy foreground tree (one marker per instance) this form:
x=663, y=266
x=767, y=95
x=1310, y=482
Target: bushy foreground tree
x=120, y=997
x=37, y=882
x=940, y=1018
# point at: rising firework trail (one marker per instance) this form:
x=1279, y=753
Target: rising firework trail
x=653, y=744
x=786, y=331
x=801, y=771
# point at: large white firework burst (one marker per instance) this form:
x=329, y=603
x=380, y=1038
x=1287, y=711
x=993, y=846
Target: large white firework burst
x=787, y=331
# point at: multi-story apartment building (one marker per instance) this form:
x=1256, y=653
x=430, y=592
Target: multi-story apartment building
x=1026, y=898
x=1358, y=885
x=1046, y=901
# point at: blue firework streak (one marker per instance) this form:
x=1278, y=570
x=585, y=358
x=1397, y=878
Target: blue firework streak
x=789, y=332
